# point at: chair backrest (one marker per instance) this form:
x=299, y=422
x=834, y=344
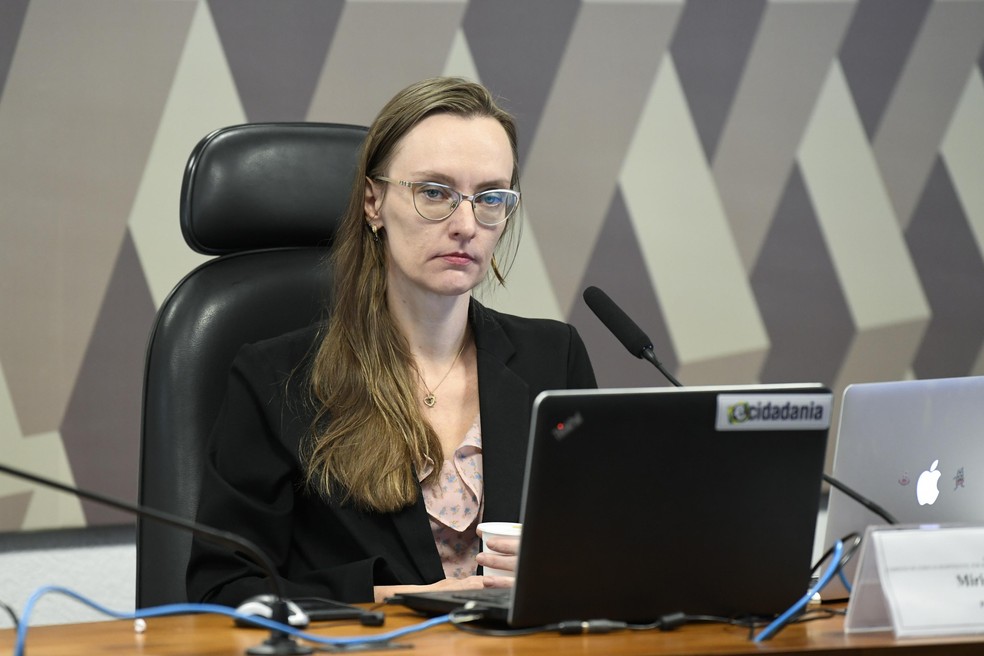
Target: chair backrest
x=266, y=199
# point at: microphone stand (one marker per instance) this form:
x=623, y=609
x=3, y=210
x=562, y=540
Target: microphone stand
x=647, y=353
x=278, y=642
x=867, y=503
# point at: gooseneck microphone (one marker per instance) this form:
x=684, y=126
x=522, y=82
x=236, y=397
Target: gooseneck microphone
x=278, y=642
x=624, y=329
x=639, y=345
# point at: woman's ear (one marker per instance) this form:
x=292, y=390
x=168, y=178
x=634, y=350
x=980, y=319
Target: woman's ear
x=373, y=200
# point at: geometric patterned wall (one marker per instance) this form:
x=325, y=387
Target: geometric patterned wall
x=776, y=190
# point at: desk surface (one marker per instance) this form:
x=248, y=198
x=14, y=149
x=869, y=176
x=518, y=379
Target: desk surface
x=216, y=635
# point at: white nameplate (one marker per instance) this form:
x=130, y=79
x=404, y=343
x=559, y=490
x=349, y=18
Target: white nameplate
x=919, y=581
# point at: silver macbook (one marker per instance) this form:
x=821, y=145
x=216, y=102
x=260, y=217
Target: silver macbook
x=643, y=502
x=915, y=448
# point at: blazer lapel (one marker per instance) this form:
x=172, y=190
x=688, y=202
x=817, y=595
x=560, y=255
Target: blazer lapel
x=504, y=399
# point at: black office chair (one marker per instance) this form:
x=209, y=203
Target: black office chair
x=264, y=198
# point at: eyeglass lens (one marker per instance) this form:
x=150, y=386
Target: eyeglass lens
x=437, y=202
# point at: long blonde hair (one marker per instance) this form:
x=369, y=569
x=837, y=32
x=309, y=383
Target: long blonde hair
x=368, y=434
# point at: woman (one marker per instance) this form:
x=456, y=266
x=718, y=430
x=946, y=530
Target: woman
x=361, y=457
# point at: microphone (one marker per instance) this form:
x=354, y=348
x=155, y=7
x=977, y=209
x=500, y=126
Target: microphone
x=639, y=345
x=624, y=329
x=278, y=642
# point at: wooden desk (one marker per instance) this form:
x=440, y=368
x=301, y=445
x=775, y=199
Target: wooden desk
x=216, y=636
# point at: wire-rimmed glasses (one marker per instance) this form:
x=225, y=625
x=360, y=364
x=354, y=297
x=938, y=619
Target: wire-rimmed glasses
x=435, y=201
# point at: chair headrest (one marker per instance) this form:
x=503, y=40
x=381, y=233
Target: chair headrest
x=268, y=185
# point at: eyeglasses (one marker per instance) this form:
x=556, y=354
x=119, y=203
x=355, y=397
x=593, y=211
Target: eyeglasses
x=435, y=201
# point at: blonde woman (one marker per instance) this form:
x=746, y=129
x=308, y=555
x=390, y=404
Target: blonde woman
x=361, y=455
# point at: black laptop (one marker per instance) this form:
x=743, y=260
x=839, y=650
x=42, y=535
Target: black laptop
x=643, y=502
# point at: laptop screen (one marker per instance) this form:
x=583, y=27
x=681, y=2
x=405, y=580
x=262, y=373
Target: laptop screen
x=642, y=502
x=914, y=448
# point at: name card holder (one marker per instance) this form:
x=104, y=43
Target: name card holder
x=919, y=581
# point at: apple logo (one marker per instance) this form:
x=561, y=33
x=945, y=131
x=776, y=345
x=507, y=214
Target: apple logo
x=926, y=487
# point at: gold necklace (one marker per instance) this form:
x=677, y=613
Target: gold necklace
x=431, y=399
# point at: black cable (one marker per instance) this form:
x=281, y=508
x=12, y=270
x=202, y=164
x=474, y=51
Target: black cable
x=806, y=615
x=820, y=614
x=867, y=503
x=849, y=552
x=461, y=618
x=733, y=621
x=13, y=615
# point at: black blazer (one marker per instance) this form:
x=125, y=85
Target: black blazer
x=252, y=479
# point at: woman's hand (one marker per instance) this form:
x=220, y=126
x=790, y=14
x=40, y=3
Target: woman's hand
x=382, y=592
x=501, y=553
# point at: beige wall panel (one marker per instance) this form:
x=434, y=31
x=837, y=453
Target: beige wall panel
x=685, y=237
x=460, y=62
x=13, y=509
x=79, y=110
x=963, y=152
x=978, y=368
x=872, y=261
x=793, y=49
x=379, y=48
x=879, y=353
x=922, y=102
x=42, y=454
x=586, y=128
x=739, y=369
x=202, y=99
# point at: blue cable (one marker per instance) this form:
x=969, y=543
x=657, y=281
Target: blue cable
x=796, y=608
x=847, y=584
x=180, y=609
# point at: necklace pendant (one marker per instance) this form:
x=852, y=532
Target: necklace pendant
x=430, y=400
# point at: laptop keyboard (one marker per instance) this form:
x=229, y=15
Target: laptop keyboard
x=498, y=596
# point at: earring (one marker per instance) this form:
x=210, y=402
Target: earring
x=375, y=232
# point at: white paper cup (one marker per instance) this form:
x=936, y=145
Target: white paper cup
x=498, y=529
